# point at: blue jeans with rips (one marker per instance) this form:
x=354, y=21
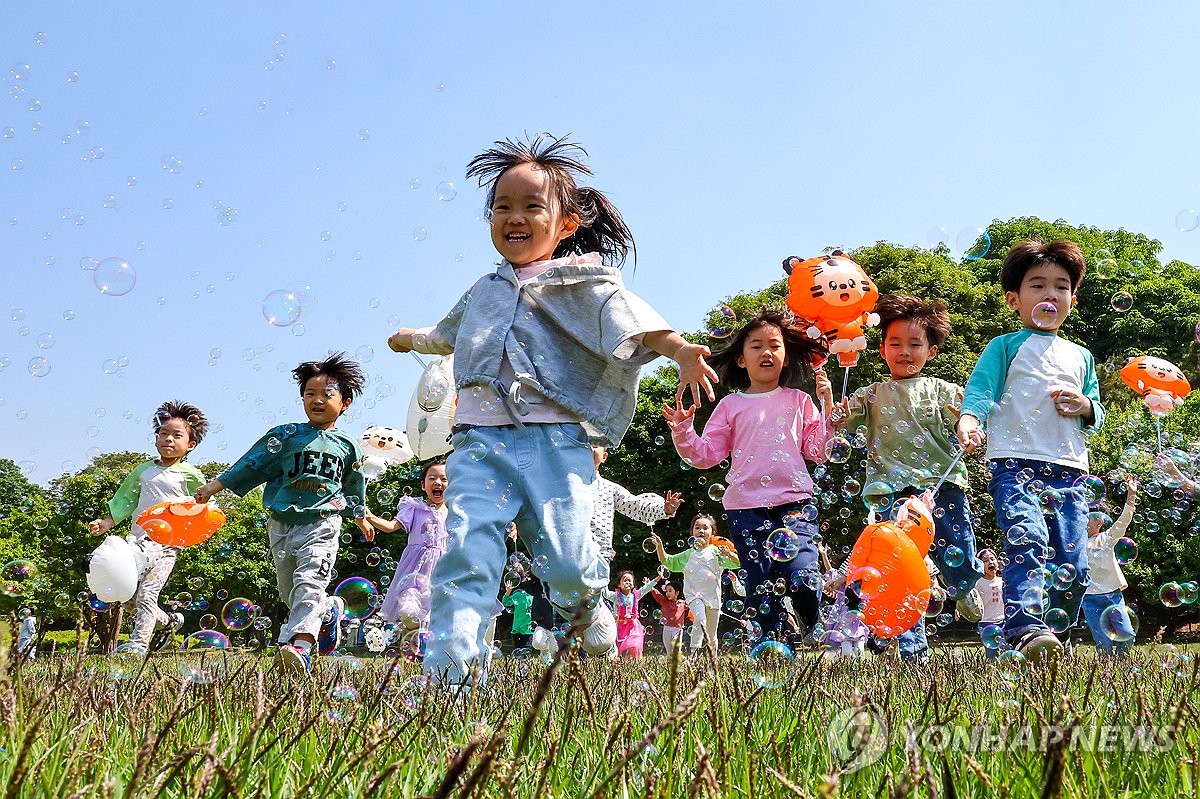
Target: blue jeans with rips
x=540, y=476
x=1035, y=522
x=1093, y=606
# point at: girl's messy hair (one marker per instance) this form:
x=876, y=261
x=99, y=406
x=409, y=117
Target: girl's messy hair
x=337, y=367
x=803, y=353
x=601, y=228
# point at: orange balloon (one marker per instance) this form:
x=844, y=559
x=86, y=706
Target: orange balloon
x=181, y=524
x=835, y=295
x=895, y=583
x=1146, y=372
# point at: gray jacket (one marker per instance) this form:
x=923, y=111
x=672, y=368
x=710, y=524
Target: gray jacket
x=572, y=334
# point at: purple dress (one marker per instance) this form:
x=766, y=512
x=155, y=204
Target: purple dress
x=407, y=599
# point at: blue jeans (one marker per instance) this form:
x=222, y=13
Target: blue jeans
x=1093, y=606
x=951, y=528
x=1029, y=530
x=539, y=476
x=750, y=530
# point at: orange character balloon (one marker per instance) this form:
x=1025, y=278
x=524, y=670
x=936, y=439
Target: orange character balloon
x=835, y=295
x=888, y=562
x=1161, y=383
x=181, y=524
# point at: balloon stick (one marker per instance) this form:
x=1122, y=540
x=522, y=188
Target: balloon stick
x=845, y=380
x=954, y=462
x=420, y=360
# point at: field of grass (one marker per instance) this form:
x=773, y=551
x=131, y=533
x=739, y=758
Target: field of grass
x=233, y=725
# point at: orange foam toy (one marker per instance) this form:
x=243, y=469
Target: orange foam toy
x=181, y=524
x=888, y=560
x=1145, y=372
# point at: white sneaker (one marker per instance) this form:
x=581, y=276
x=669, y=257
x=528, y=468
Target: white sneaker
x=1039, y=645
x=600, y=636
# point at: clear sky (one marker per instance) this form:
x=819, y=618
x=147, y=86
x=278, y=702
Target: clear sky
x=226, y=150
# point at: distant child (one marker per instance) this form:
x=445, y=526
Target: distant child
x=767, y=429
x=702, y=566
x=910, y=423
x=631, y=633
x=1039, y=396
x=519, y=602
x=673, y=614
x=312, y=477
x=178, y=428
x=407, y=600
x=612, y=498
x=991, y=593
x=27, y=635
x=548, y=351
x=1108, y=581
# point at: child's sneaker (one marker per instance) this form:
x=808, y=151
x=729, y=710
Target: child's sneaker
x=1039, y=645
x=600, y=635
x=330, y=637
x=970, y=607
x=164, y=635
x=294, y=659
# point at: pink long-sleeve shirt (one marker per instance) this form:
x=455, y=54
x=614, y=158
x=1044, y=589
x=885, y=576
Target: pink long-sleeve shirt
x=767, y=438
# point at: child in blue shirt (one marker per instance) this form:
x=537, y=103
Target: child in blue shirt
x=547, y=353
x=313, y=475
x=1039, y=395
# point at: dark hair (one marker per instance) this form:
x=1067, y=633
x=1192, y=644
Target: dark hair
x=622, y=574
x=668, y=584
x=700, y=516
x=429, y=464
x=601, y=228
x=1027, y=254
x=192, y=416
x=802, y=352
x=932, y=317
x=339, y=368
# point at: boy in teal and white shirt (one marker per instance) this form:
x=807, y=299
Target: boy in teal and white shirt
x=178, y=428
x=1039, y=395
x=313, y=475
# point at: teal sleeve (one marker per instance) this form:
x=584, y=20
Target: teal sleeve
x=125, y=501
x=1091, y=390
x=677, y=561
x=254, y=468
x=354, y=485
x=986, y=384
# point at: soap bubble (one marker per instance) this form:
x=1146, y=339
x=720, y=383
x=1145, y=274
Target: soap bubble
x=721, y=322
x=838, y=450
x=1058, y=620
x=125, y=662
x=17, y=577
x=1091, y=488
x=238, y=614
x=992, y=635
x=1044, y=315
x=281, y=308
x=420, y=233
x=114, y=277
x=1011, y=665
x=1119, y=623
x=937, y=236
x=973, y=243
x=1168, y=594
x=770, y=663
x=359, y=595
x=1187, y=220
x=1188, y=592
x=39, y=366
x=878, y=496
x=954, y=556
x=208, y=622
x=866, y=581
x=208, y=663
x=716, y=492
x=446, y=191
x=1122, y=301
x=783, y=545
x=1125, y=550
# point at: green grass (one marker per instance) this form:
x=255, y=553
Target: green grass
x=656, y=727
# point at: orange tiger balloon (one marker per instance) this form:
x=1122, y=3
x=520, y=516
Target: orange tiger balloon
x=836, y=296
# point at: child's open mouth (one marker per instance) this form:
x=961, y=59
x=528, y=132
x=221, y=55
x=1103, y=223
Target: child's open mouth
x=516, y=237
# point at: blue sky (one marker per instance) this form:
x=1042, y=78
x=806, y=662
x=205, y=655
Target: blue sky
x=729, y=135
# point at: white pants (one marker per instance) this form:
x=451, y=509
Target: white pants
x=672, y=637
x=304, y=556
x=704, y=623
x=147, y=614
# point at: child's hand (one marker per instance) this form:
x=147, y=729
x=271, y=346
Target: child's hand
x=365, y=528
x=970, y=434
x=694, y=372
x=824, y=389
x=100, y=526
x=1069, y=402
x=204, y=492
x=677, y=415
x=663, y=573
x=401, y=340
x=840, y=413
x=512, y=532
x=1131, y=487
x=671, y=502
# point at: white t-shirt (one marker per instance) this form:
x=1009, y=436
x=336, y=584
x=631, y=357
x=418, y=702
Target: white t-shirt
x=992, y=593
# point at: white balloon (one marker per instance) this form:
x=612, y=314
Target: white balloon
x=113, y=570
x=431, y=410
x=383, y=447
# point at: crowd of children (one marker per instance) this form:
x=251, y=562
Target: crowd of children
x=548, y=349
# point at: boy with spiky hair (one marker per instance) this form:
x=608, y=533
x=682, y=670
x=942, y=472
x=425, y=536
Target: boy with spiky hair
x=910, y=423
x=313, y=475
x=178, y=428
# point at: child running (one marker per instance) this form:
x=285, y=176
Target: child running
x=407, y=600
x=673, y=614
x=767, y=429
x=991, y=593
x=910, y=423
x=548, y=350
x=702, y=566
x=312, y=477
x=631, y=633
x=1108, y=581
x=178, y=428
x=1039, y=395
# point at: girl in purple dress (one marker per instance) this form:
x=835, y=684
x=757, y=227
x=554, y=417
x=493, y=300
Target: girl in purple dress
x=407, y=600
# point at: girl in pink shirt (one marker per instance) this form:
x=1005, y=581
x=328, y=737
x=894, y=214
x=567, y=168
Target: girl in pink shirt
x=767, y=429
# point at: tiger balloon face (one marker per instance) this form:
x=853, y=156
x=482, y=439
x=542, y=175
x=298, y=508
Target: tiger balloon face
x=831, y=287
